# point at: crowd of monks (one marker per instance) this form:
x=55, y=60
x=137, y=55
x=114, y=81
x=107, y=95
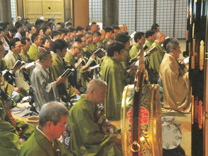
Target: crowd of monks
x=45, y=62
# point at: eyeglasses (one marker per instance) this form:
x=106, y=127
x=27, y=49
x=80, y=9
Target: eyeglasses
x=19, y=46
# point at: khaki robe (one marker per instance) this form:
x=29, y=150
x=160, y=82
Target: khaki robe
x=113, y=74
x=176, y=92
x=20, y=81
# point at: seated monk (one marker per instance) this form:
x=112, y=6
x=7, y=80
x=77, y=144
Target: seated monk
x=43, y=142
x=91, y=132
x=11, y=130
x=176, y=92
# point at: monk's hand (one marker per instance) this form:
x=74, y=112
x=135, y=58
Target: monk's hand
x=138, y=52
x=23, y=67
x=117, y=140
x=132, y=66
x=61, y=80
x=181, y=62
x=148, y=53
x=19, y=130
x=77, y=91
x=84, y=67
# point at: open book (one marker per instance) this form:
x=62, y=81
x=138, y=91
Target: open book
x=186, y=60
x=79, y=63
x=90, y=61
x=152, y=50
x=145, y=47
x=67, y=72
x=94, y=67
x=30, y=65
x=18, y=64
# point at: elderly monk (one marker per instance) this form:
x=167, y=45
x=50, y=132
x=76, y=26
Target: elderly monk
x=176, y=93
x=43, y=142
x=91, y=133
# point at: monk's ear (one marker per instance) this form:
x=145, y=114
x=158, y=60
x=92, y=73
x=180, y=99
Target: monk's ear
x=137, y=40
x=115, y=53
x=58, y=50
x=92, y=91
x=49, y=125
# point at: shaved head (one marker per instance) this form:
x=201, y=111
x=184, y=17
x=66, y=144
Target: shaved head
x=76, y=44
x=160, y=34
x=96, y=85
x=160, y=37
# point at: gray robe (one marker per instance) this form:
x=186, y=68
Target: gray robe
x=44, y=89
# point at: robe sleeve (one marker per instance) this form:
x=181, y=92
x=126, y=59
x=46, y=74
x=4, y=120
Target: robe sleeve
x=89, y=130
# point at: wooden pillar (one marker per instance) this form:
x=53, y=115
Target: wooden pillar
x=20, y=8
x=68, y=9
x=80, y=13
x=109, y=13
x=5, y=11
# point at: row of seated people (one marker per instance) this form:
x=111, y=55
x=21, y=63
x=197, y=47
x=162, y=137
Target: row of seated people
x=49, y=85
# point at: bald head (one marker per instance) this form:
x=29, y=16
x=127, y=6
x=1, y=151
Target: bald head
x=160, y=37
x=122, y=28
x=102, y=34
x=96, y=85
x=76, y=48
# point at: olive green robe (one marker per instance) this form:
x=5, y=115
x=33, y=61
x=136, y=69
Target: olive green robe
x=156, y=57
x=89, y=49
x=113, y=74
x=3, y=65
x=70, y=59
x=56, y=69
x=148, y=43
x=33, y=53
x=10, y=142
x=100, y=44
x=105, y=41
x=154, y=62
x=86, y=136
x=24, y=57
x=39, y=145
x=133, y=52
x=126, y=61
x=8, y=87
